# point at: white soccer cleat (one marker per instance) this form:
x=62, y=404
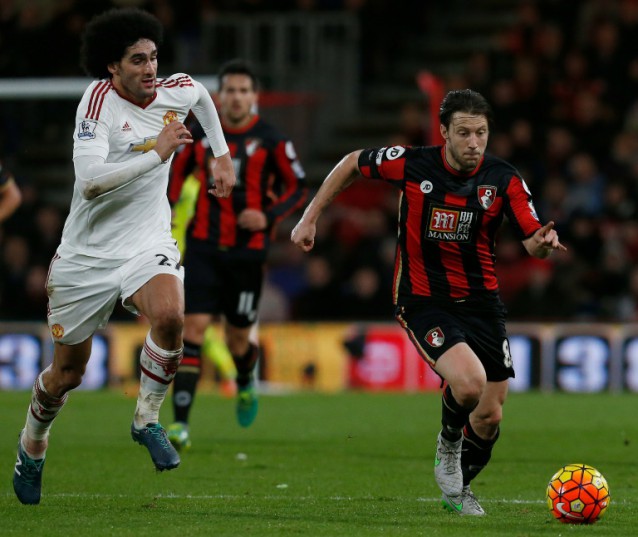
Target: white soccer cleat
x=464, y=504
x=447, y=466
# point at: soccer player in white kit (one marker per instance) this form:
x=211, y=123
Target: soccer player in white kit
x=116, y=242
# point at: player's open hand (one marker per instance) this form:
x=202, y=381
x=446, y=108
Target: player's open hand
x=223, y=173
x=304, y=235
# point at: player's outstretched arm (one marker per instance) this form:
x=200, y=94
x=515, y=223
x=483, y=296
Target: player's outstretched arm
x=543, y=242
x=341, y=176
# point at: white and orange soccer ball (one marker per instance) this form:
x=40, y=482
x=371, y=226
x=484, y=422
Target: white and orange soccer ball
x=578, y=494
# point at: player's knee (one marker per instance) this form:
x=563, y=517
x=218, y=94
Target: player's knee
x=169, y=323
x=237, y=345
x=486, y=424
x=237, y=340
x=66, y=379
x=468, y=389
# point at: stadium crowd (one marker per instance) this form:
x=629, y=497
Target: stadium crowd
x=563, y=82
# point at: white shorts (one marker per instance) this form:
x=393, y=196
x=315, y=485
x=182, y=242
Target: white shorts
x=82, y=298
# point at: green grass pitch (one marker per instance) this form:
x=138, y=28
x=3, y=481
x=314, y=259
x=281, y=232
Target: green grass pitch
x=351, y=465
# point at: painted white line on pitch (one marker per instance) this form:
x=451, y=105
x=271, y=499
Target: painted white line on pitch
x=270, y=498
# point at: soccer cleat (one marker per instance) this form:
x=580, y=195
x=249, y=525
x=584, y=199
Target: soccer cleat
x=247, y=404
x=447, y=466
x=27, y=477
x=179, y=436
x=153, y=436
x=464, y=504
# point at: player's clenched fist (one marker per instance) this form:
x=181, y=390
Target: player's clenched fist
x=303, y=235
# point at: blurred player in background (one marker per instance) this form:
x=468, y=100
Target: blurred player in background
x=116, y=242
x=228, y=239
x=454, y=198
x=213, y=347
x=10, y=195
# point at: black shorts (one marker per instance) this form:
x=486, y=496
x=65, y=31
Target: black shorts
x=219, y=285
x=433, y=329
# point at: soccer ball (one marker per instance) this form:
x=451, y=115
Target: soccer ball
x=578, y=494
x=179, y=436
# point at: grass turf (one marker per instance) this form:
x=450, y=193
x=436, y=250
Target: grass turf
x=351, y=465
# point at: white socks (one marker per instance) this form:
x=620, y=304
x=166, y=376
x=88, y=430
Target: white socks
x=158, y=369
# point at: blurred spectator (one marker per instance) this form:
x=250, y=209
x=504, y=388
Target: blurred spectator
x=13, y=277
x=364, y=298
x=320, y=300
x=586, y=186
x=563, y=82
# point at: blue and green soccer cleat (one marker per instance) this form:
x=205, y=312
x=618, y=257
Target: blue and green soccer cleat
x=247, y=405
x=27, y=477
x=153, y=436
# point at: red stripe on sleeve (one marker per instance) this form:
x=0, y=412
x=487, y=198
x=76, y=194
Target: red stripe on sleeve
x=522, y=211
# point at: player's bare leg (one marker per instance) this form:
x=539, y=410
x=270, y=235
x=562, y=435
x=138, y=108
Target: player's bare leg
x=47, y=399
x=465, y=382
x=161, y=299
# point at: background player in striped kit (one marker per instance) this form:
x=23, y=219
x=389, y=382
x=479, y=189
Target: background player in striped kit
x=454, y=198
x=228, y=239
x=116, y=242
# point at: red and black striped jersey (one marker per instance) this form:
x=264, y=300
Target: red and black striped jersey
x=448, y=220
x=270, y=178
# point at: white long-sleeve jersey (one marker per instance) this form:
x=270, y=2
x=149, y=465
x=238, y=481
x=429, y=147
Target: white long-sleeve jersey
x=113, y=140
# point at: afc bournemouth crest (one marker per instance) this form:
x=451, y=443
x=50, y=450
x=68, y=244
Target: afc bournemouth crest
x=435, y=337
x=486, y=196
x=169, y=117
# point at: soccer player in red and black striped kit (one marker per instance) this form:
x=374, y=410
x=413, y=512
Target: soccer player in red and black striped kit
x=227, y=241
x=453, y=200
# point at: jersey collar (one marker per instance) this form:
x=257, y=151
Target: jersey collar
x=241, y=130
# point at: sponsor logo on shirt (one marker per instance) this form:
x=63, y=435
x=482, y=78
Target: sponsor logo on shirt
x=426, y=186
x=450, y=224
x=144, y=146
x=395, y=152
x=126, y=127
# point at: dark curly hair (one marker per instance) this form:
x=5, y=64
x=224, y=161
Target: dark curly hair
x=465, y=100
x=108, y=35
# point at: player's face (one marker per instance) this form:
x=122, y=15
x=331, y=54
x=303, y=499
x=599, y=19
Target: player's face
x=135, y=75
x=466, y=140
x=237, y=97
